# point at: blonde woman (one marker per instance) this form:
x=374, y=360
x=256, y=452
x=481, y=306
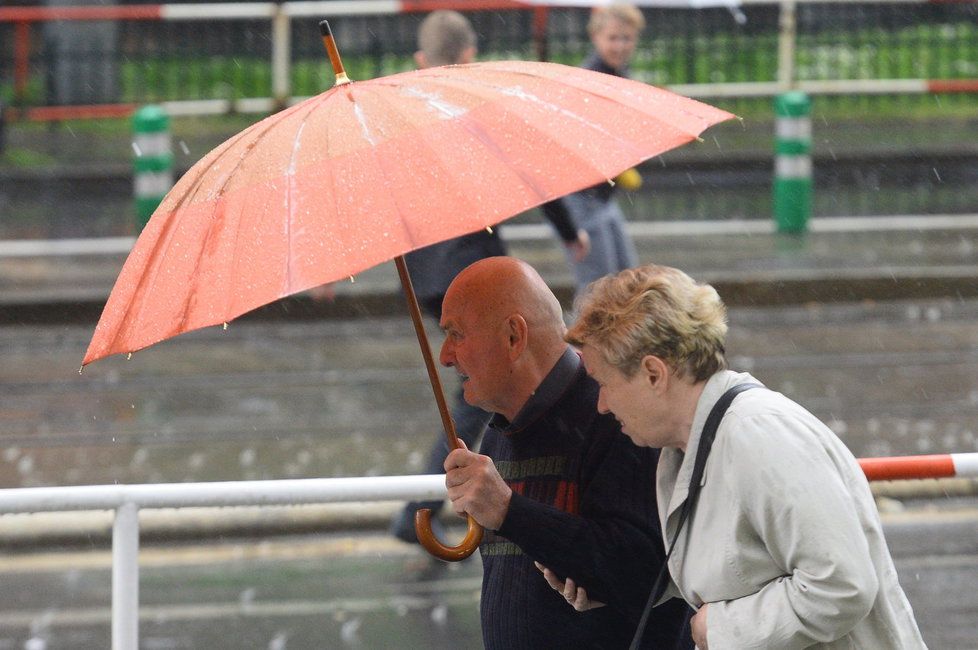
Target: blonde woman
x=782, y=547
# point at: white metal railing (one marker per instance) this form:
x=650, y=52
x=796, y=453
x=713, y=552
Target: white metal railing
x=127, y=500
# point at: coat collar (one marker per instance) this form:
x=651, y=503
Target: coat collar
x=675, y=467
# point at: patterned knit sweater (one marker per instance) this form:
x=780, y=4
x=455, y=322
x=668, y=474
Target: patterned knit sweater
x=583, y=504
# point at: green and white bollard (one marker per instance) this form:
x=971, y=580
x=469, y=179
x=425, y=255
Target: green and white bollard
x=793, y=162
x=153, y=161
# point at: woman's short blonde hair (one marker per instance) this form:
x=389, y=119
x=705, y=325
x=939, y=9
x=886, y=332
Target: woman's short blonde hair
x=626, y=13
x=653, y=310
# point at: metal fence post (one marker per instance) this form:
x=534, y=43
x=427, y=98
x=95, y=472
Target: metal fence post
x=153, y=161
x=787, y=44
x=793, y=161
x=125, y=578
x=281, y=54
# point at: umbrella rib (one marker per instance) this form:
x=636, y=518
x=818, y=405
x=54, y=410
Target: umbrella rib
x=211, y=230
x=362, y=118
x=159, y=253
x=291, y=193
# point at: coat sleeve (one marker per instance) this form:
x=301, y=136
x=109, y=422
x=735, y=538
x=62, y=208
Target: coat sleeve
x=557, y=214
x=799, y=510
x=611, y=547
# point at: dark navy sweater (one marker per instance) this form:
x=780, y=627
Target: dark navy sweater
x=584, y=505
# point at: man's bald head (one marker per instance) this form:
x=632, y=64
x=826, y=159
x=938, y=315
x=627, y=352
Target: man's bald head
x=500, y=286
x=504, y=333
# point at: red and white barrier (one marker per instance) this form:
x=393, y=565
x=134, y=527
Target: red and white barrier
x=920, y=467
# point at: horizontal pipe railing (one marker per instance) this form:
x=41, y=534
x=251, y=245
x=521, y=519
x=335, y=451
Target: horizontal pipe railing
x=422, y=487
x=127, y=500
x=226, y=493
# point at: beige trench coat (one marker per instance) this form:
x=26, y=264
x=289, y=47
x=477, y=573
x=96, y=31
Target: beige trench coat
x=785, y=542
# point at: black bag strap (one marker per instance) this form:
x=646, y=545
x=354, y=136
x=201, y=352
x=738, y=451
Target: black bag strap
x=702, y=452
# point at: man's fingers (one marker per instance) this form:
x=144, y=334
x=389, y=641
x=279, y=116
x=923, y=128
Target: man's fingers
x=570, y=590
x=555, y=583
x=581, y=603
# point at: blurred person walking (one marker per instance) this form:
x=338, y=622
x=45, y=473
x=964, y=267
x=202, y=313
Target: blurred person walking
x=614, y=30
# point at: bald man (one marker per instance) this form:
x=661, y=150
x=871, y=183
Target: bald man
x=556, y=483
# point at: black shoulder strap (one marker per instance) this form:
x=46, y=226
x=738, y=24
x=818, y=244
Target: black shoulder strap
x=699, y=464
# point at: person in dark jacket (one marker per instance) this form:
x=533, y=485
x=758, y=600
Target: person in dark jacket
x=445, y=38
x=556, y=483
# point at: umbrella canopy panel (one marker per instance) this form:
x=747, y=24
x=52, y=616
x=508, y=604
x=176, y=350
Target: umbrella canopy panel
x=371, y=170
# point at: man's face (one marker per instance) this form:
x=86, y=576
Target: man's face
x=629, y=399
x=615, y=43
x=475, y=345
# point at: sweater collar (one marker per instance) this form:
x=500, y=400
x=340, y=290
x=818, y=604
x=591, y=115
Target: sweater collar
x=545, y=396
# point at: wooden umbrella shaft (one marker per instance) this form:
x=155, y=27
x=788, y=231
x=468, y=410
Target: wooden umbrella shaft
x=429, y=360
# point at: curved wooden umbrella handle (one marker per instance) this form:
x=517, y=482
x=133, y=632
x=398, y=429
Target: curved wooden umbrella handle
x=422, y=518
x=427, y=539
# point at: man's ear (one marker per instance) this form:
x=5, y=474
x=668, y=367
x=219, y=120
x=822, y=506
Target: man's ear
x=656, y=372
x=516, y=333
x=468, y=55
x=420, y=60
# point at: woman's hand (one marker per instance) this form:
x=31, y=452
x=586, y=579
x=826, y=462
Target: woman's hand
x=574, y=595
x=697, y=626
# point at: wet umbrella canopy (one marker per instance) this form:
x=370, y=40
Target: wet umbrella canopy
x=370, y=170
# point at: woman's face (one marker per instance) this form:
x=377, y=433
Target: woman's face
x=615, y=43
x=631, y=400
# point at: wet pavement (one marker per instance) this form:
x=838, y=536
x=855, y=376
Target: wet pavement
x=366, y=590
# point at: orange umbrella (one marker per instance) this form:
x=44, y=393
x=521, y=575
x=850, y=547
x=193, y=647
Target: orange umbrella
x=370, y=170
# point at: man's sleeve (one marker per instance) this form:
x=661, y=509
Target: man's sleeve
x=612, y=547
x=556, y=213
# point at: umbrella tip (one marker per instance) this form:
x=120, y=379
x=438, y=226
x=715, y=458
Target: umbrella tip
x=80, y=368
x=334, y=53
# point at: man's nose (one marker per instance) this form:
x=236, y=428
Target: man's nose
x=447, y=356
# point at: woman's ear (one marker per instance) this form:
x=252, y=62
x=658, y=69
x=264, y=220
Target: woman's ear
x=656, y=371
